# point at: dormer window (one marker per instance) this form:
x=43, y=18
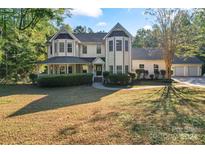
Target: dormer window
x=69, y=49
x=61, y=44
x=118, y=45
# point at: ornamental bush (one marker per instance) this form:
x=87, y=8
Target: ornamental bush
x=65, y=80
x=119, y=79
x=33, y=78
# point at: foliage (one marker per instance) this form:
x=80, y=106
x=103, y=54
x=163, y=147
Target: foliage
x=145, y=38
x=24, y=36
x=33, y=78
x=138, y=72
x=156, y=74
x=65, y=80
x=163, y=72
x=151, y=76
x=119, y=79
x=82, y=29
x=132, y=76
x=106, y=76
x=175, y=33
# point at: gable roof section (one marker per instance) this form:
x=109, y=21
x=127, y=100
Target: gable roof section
x=156, y=54
x=63, y=34
x=118, y=27
x=90, y=37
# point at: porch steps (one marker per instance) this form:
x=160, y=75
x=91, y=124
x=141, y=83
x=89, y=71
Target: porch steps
x=98, y=79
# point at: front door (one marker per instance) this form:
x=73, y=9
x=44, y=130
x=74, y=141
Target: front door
x=98, y=70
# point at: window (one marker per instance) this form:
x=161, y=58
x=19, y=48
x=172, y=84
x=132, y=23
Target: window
x=55, y=47
x=70, y=69
x=111, y=69
x=119, y=69
x=118, y=45
x=61, y=47
x=69, y=47
x=84, y=49
x=110, y=45
x=62, y=70
x=98, y=48
x=85, y=68
x=126, y=68
x=51, y=50
x=141, y=66
x=156, y=67
x=126, y=45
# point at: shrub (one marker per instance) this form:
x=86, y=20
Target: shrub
x=132, y=76
x=65, y=80
x=138, y=72
x=151, y=76
x=33, y=78
x=119, y=79
x=105, y=76
x=156, y=73
x=163, y=73
x=146, y=73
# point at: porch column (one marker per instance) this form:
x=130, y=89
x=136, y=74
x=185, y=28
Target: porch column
x=48, y=69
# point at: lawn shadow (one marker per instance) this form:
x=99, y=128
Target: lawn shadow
x=59, y=97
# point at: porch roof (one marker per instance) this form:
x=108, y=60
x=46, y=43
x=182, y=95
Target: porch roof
x=65, y=60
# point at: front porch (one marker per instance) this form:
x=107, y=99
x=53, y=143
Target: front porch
x=66, y=65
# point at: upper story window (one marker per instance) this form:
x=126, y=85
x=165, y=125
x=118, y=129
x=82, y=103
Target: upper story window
x=141, y=66
x=126, y=45
x=110, y=45
x=55, y=47
x=69, y=47
x=118, y=45
x=61, y=44
x=84, y=49
x=98, y=48
x=51, y=50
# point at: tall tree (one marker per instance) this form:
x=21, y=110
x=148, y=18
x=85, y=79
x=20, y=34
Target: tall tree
x=145, y=39
x=82, y=29
x=174, y=34
x=23, y=39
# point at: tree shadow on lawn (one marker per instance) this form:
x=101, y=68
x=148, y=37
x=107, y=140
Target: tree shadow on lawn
x=175, y=111
x=59, y=97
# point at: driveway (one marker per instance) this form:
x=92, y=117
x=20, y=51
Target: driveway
x=195, y=81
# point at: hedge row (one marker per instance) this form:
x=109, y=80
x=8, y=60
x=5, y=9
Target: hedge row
x=119, y=79
x=65, y=80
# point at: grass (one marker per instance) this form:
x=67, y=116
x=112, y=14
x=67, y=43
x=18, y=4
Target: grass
x=84, y=115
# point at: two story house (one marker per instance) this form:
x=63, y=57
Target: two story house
x=98, y=52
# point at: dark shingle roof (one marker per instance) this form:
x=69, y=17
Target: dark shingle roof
x=63, y=36
x=118, y=33
x=90, y=37
x=69, y=60
x=64, y=60
x=156, y=54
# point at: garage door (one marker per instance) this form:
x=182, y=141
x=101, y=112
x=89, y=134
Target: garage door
x=192, y=70
x=179, y=71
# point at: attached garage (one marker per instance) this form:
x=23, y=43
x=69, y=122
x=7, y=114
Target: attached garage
x=193, y=70
x=179, y=71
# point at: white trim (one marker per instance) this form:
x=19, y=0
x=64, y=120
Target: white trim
x=98, y=58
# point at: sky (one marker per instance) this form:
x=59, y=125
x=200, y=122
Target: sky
x=105, y=19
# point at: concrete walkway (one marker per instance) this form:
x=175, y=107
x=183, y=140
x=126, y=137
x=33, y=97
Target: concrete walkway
x=99, y=85
x=191, y=81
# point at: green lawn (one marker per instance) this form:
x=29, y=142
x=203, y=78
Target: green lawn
x=84, y=115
